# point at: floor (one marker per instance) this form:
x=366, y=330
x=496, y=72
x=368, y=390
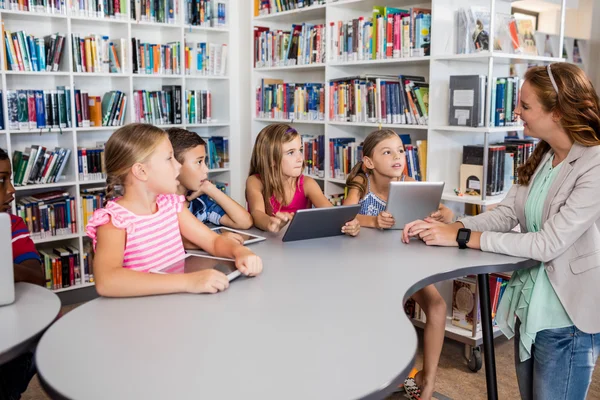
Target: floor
x=454, y=380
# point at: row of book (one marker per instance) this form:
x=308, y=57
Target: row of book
x=467, y=105
x=112, y=9
x=156, y=59
x=38, y=109
x=64, y=268
x=91, y=163
x=198, y=106
x=276, y=99
x=96, y=53
x=217, y=151
x=465, y=300
x=25, y=52
x=503, y=161
x=91, y=200
x=266, y=7
x=304, y=44
x=161, y=107
x=38, y=165
x=314, y=155
x=206, y=13
x=93, y=111
x=209, y=58
x=48, y=214
x=58, y=7
x=391, y=33
x=380, y=99
x=160, y=11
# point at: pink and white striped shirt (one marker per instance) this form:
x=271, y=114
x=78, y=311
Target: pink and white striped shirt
x=152, y=240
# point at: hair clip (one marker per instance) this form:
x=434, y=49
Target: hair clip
x=291, y=130
x=554, y=85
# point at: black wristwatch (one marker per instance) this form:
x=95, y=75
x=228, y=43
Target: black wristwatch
x=462, y=237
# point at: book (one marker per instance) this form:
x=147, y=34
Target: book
x=39, y=109
x=302, y=44
x=276, y=99
x=156, y=59
x=467, y=100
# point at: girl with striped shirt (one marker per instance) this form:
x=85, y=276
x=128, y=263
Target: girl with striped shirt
x=142, y=227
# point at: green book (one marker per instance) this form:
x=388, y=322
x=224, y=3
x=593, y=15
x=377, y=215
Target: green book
x=107, y=103
x=22, y=166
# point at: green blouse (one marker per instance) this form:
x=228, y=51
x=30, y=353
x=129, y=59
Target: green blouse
x=529, y=294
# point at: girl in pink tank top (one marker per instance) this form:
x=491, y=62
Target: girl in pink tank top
x=276, y=188
x=141, y=231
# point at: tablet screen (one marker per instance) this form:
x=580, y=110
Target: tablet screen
x=193, y=263
x=244, y=236
x=247, y=238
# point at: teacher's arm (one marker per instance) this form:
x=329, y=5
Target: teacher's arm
x=560, y=231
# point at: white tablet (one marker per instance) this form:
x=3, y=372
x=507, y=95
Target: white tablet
x=200, y=262
x=249, y=238
x=409, y=201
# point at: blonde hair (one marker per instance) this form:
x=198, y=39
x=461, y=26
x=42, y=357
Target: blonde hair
x=576, y=102
x=129, y=145
x=266, y=160
x=360, y=169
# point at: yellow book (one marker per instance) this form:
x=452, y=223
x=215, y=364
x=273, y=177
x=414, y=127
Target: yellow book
x=256, y=7
x=422, y=154
x=94, y=51
x=88, y=55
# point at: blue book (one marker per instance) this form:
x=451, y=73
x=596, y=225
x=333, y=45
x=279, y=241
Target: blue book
x=40, y=109
x=33, y=52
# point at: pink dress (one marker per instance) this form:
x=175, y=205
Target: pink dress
x=152, y=240
x=299, y=201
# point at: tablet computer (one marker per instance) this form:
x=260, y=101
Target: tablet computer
x=319, y=222
x=7, y=282
x=409, y=201
x=199, y=262
x=249, y=238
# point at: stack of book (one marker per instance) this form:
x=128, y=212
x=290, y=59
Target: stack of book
x=91, y=164
x=303, y=44
x=27, y=53
x=266, y=7
x=156, y=59
x=48, y=214
x=391, y=33
x=217, y=152
x=209, y=59
x=314, y=155
x=38, y=165
x=91, y=200
x=158, y=107
x=38, y=109
x=198, y=106
x=380, y=99
x=206, y=13
x=298, y=101
x=92, y=111
x=96, y=53
x=344, y=153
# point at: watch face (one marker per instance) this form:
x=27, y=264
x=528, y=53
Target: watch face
x=462, y=235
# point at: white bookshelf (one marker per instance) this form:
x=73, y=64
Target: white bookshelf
x=225, y=104
x=444, y=142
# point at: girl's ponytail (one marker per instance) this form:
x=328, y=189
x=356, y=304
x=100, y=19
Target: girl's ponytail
x=359, y=171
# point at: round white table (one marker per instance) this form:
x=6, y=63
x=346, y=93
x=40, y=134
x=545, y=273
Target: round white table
x=22, y=322
x=325, y=320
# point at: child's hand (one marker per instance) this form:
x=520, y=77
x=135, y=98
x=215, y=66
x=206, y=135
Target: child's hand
x=279, y=220
x=207, y=281
x=233, y=236
x=443, y=214
x=385, y=220
x=247, y=262
x=351, y=228
x=205, y=187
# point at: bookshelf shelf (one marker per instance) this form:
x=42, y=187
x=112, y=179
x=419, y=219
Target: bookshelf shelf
x=504, y=58
x=394, y=61
x=191, y=28
x=74, y=287
x=208, y=77
x=316, y=178
x=26, y=15
x=218, y=170
x=336, y=180
x=291, y=68
x=99, y=20
x=289, y=121
x=100, y=75
x=158, y=76
x=305, y=14
x=96, y=128
x=467, y=199
x=44, y=186
x=40, y=131
x=92, y=182
x=376, y=125
x=152, y=25
x=491, y=129
x=38, y=73
x=209, y=125
x=50, y=239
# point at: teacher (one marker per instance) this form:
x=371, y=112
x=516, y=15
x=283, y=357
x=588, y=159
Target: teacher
x=552, y=309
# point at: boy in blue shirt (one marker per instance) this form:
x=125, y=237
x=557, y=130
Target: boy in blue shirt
x=207, y=202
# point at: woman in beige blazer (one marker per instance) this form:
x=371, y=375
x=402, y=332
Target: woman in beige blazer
x=552, y=309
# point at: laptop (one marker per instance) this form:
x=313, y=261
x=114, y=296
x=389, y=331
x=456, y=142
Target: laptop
x=409, y=201
x=320, y=222
x=7, y=280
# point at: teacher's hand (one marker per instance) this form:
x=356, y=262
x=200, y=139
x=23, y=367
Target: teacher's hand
x=431, y=232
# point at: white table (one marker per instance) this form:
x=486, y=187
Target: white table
x=22, y=322
x=325, y=320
